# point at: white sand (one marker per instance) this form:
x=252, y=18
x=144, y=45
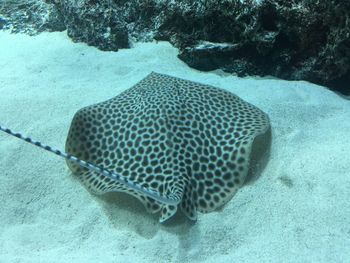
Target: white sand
x=297, y=211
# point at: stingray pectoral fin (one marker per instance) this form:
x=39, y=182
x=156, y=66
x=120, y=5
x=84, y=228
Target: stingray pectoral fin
x=167, y=212
x=188, y=204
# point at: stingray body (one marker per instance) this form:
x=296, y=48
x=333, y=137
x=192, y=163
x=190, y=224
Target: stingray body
x=174, y=138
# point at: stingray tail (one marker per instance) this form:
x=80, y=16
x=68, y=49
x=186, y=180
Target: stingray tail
x=168, y=200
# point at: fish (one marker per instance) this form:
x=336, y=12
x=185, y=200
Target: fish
x=167, y=141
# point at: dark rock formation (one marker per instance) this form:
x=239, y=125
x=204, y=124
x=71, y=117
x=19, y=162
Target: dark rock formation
x=98, y=23
x=30, y=17
x=294, y=40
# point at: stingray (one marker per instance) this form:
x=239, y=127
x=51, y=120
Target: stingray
x=167, y=141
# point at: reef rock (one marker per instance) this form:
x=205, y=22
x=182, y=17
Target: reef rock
x=97, y=23
x=294, y=40
x=30, y=17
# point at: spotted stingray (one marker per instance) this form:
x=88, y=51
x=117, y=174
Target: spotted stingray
x=167, y=141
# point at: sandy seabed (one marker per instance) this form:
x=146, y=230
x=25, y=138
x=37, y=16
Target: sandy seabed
x=298, y=210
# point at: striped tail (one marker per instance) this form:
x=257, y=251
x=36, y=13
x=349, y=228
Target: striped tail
x=168, y=200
